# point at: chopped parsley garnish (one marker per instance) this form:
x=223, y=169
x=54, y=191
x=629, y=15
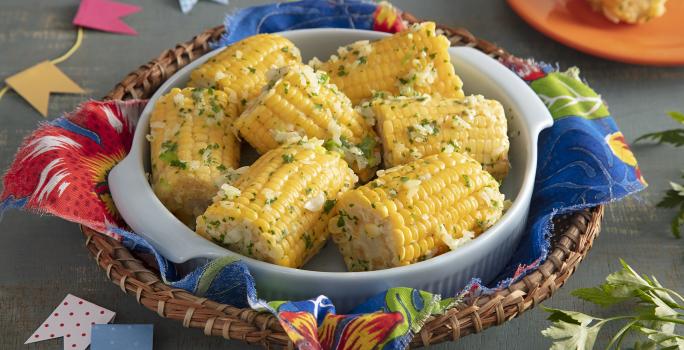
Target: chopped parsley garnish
x=341, y=71
x=328, y=205
x=340, y=220
x=466, y=181
x=367, y=146
x=308, y=241
x=323, y=78
x=252, y=70
x=288, y=158
x=169, y=154
x=330, y=145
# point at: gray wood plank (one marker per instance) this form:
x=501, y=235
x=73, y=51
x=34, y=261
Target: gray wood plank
x=42, y=258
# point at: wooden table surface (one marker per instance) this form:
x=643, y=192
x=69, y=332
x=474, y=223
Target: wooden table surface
x=43, y=258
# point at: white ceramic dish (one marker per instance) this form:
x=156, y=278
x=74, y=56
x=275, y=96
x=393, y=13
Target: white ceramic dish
x=325, y=274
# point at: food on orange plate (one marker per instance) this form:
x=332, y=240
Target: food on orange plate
x=629, y=11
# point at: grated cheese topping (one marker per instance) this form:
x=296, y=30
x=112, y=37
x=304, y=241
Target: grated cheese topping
x=315, y=203
x=412, y=187
x=178, y=99
x=455, y=243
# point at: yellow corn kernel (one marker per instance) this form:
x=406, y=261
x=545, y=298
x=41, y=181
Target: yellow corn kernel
x=192, y=149
x=387, y=222
x=240, y=70
x=299, y=102
x=412, y=128
x=629, y=11
x=414, y=61
x=279, y=209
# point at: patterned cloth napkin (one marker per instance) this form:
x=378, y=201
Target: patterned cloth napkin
x=584, y=161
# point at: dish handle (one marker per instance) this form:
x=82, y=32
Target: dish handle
x=148, y=217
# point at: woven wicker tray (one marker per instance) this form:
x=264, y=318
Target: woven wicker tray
x=572, y=238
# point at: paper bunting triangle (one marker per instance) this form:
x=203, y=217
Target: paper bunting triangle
x=72, y=320
x=105, y=15
x=36, y=83
x=187, y=5
x=122, y=336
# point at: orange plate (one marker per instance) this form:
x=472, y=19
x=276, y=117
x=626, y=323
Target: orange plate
x=572, y=22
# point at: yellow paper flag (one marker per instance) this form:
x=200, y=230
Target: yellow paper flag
x=36, y=83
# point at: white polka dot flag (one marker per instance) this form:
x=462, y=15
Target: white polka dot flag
x=72, y=320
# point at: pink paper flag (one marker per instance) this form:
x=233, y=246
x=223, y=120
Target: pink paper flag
x=72, y=319
x=105, y=15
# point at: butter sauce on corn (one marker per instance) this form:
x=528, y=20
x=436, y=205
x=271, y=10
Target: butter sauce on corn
x=414, y=61
x=315, y=146
x=299, y=102
x=278, y=210
x=240, y=70
x=414, y=127
x=193, y=149
x=415, y=211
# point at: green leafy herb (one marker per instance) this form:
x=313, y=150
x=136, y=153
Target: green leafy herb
x=169, y=154
x=328, y=205
x=288, y=158
x=308, y=241
x=331, y=145
x=659, y=311
x=341, y=71
x=367, y=146
x=673, y=136
x=674, y=198
x=323, y=78
x=466, y=180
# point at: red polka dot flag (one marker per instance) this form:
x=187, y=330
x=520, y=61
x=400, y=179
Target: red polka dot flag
x=72, y=320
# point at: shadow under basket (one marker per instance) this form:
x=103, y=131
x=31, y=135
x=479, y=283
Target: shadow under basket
x=573, y=235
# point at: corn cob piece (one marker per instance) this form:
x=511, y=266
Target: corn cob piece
x=629, y=11
x=240, y=70
x=415, y=211
x=299, y=102
x=193, y=149
x=414, y=61
x=279, y=209
x=411, y=128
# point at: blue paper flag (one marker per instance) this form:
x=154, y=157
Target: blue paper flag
x=121, y=336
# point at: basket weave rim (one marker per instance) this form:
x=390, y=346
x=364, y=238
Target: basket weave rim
x=573, y=236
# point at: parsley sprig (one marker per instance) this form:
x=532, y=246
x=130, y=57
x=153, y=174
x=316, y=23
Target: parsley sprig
x=658, y=311
x=674, y=198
